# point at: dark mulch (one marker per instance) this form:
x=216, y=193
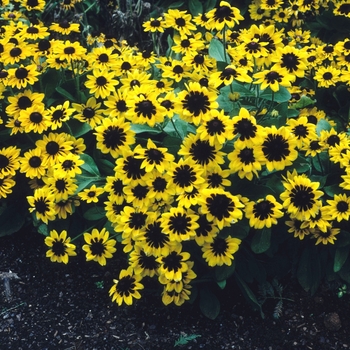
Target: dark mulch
x=53, y=306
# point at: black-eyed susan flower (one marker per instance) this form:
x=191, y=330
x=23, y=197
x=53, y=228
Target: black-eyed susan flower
x=64, y=208
x=31, y=5
x=342, y=9
x=273, y=79
x=14, y=54
x=32, y=164
x=137, y=194
x=247, y=161
x=65, y=27
x=301, y=197
x=22, y=101
x=247, y=129
x=302, y=129
x=223, y=15
x=174, y=264
x=113, y=209
x=145, y=109
x=114, y=187
x=339, y=207
x=126, y=288
x=195, y=102
x=321, y=221
x=206, y=230
x=54, y=145
x=326, y=237
x=178, y=298
x=331, y=138
x=156, y=241
x=99, y=246
x=23, y=76
x=296, y=229
x=216, y=127
x=113, y=136
x=142, y=263
x=327, y=76
x=91, y=195
x=180, y=224
x=221, y=251
x=129, y=169
x=154, y=25
x=228, y=75
x=102, y=58
x=69, y=165
x=116, y=104
x=69, y=51
x=101, y=83
x=153, y=157
x=188, y=44
x=42, y=204
x=9, y=161
x=89, y=112
x=278, y=148
x=61, y=185
x=185, y=175
x=60, y=248
x=35, y=119
x=6, y=185
x=59, y=114
x=264, y=212
x=175, y=69
x=216, y=177
x=179, y=20
x=221, y=207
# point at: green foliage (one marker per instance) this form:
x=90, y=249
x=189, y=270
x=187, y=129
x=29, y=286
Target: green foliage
x=185, y=339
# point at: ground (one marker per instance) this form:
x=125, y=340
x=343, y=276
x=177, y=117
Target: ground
x=57, y=306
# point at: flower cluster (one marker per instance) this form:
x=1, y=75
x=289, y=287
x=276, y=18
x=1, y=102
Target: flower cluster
x=181, y=158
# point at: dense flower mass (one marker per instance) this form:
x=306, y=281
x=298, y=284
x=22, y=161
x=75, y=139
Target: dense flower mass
x=232, y=141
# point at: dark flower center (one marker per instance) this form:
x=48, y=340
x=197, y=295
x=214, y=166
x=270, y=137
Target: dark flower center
x=333, y=140
x=178, y=69
x=114, y=137
x=327, y=76
x=227, y=73
x=101, y=81
x=184, y=176
x=160, y=84
x=198, y=59
x=214, y=180
x=159, y=184
x=61, y=185
x=145, y=108
x=196, y=103
x=219, y=246
x=312, y=119
x=147, y=262
x=155, y=237
x=222, y=13
x=35, y=162
x=180, y=22
x=344, y=9
x=140, y=192
x=126, y=286
x=202, y=152
x=290, y=61
x=204, y=226
x=103, y=58
x=172, y=262
x=342, y=206
x=64, y=24
x=32, y=3
x=88, y=112
x=21, y=73
x=220, y=206
x=15, y=52
x=52, y=148
x=180, y=223
x=302, y=197
x=36, y=117
x=59, y=248
x=57, y=115
x=125, y=66
x=245, y=128
x=301, y=131
x=4, y=161
x=97, y=247
x=132, y=167
x=153, y=155
x=275, y=148
x=44, y=45
x=24, y=102
x=41, y=205
x=155, y=23
x=118, y=187
x=121, y=106
x=246, y=156
x=263, y=209
x=272, y=76
x=69, y=50
x=215, y=126
x=185, y=43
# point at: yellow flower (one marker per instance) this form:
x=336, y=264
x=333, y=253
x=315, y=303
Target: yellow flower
x=60, y=247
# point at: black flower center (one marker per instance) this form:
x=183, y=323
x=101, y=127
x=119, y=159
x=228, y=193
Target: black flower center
x=227, y=73
x=97, y=247
x=33, y=3
x=245, y=128
x=58, y=248
x=69, y=50
x=125, y=66
x=178, y=69
x=290, y=61
x=220, y=206
x=180, y=22
x=61, y=185
x=222, y=13
x=68, y=164
x=185, y=43
x=57, y=115
x=263, y=209
x=155, y=23
x=155, y=237
x=184, y=176
x=88, y=112
x=312, y=119
x=246, y=156
x=196, y=103
x=64, y=24
x=44, y=45
x=36, y=117
x=153, y=155
x=132, y=167
x=342, y=206
x=103, y=58
x=344, y=9
x=215, y=126
x=21, y=73
x=204, y=226
x=219, y=246
x=121, y=106
x=160, y=84
x=52, y=148
x=35, y=162
x=198, y=59
x=172, y=262
x=41, y=205
x=101, y=81
x=159, y=184
x=24, y=102
x=114, y=137
x=302, y=197
x=180, y=223
x=145, y=108
x=327, y=76
x=202, y=152
x=275, y=148
x=140, y=192
x=301, y=131
x=214, y=180
x=333, y=140
x=272, y=76
x=4, y=161
x=118, y=187
x=126, y=286
x=15, y=52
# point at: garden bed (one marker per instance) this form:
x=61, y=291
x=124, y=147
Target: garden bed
x=55, y=306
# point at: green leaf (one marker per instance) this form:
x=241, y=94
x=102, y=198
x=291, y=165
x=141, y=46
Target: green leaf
x=331, y=190
x=248, y=294
x=208, y=303
x=217, y=51
x=176, y=4
x=78, y=128
x=209, y=5
x=89, y=166
x=341, y=254
x=222, y=273
x=322, y=124
x=86, y=181
x=11, y=220
x=303, y=102
x=344, y=272
x=221, y=284
x=195, y=7
x=43, y=229
x=282, y=95
x=261, y=241
x=138, y=128
x=95, y=213
x=65, y=93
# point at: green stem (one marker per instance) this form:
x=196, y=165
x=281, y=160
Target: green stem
x=172, y=122
x=224, y=43
x=319, y=161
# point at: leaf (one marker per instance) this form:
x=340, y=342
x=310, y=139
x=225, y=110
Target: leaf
x=341, y=254
x=222, y=273
x=282, y=95
x=209, y=5
x=11, y=220
x=176, y=4
x=303, y=102
x=195, y=7
x=85, y=181
x=95, y=213
x=322, y=124
x=89, y=165
x=208, y=303
x=217, y=51
x=65, y=93
x=221, y=284
x=331, y=190
x=248, y=294
x=138, y=128
x=78, y=128
x=261, y=241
